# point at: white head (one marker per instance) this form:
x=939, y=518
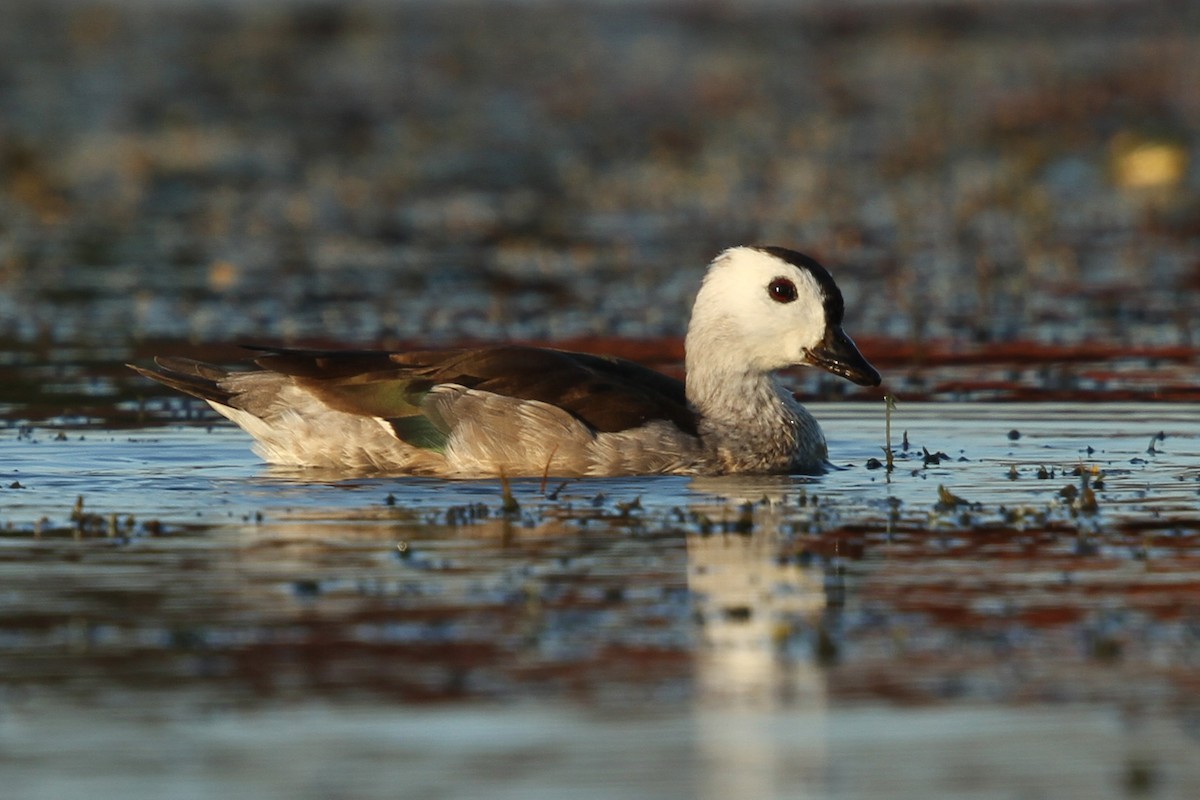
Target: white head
x=760, y=309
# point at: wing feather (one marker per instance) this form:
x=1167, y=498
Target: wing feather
x=607, y=394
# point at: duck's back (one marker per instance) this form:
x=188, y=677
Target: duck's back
x=496, y=410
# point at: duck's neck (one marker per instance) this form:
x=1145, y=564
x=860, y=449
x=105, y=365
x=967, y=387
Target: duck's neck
x=750, y=423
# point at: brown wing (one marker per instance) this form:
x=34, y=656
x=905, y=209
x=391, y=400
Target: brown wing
x=608, y=394
x=189, y=376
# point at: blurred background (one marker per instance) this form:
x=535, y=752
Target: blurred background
x=1011, y=186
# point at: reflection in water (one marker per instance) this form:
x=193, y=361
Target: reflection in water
x=750, y=605
x=753, y=609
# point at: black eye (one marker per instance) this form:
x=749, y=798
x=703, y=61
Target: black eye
x=782, y=290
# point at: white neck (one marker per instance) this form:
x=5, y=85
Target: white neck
x=749, y=422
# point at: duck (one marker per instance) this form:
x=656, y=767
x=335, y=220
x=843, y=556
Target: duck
x=510, y=410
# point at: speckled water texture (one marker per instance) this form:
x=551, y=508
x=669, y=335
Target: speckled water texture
x=1007, y=195
x=971, y=619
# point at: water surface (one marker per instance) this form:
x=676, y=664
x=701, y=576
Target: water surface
x=206, y=625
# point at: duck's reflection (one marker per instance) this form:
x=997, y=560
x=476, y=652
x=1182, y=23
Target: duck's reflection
x=760, y=619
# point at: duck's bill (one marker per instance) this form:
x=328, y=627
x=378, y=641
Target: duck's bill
x=838, y=354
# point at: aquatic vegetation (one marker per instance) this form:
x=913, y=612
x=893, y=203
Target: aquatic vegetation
x=889, y=405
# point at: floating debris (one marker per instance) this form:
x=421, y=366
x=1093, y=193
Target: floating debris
x=948, y=500
x=306, y=588
x=626, y=509
x=509, y=505
x=933, y=459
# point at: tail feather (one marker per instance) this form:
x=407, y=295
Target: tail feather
x=189, y=376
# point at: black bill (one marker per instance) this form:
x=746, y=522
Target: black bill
x=838, y=354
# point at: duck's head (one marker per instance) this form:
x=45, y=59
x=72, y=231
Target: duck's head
x=767, y=308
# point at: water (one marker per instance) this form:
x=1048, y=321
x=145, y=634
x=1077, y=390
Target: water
x=208, y=625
